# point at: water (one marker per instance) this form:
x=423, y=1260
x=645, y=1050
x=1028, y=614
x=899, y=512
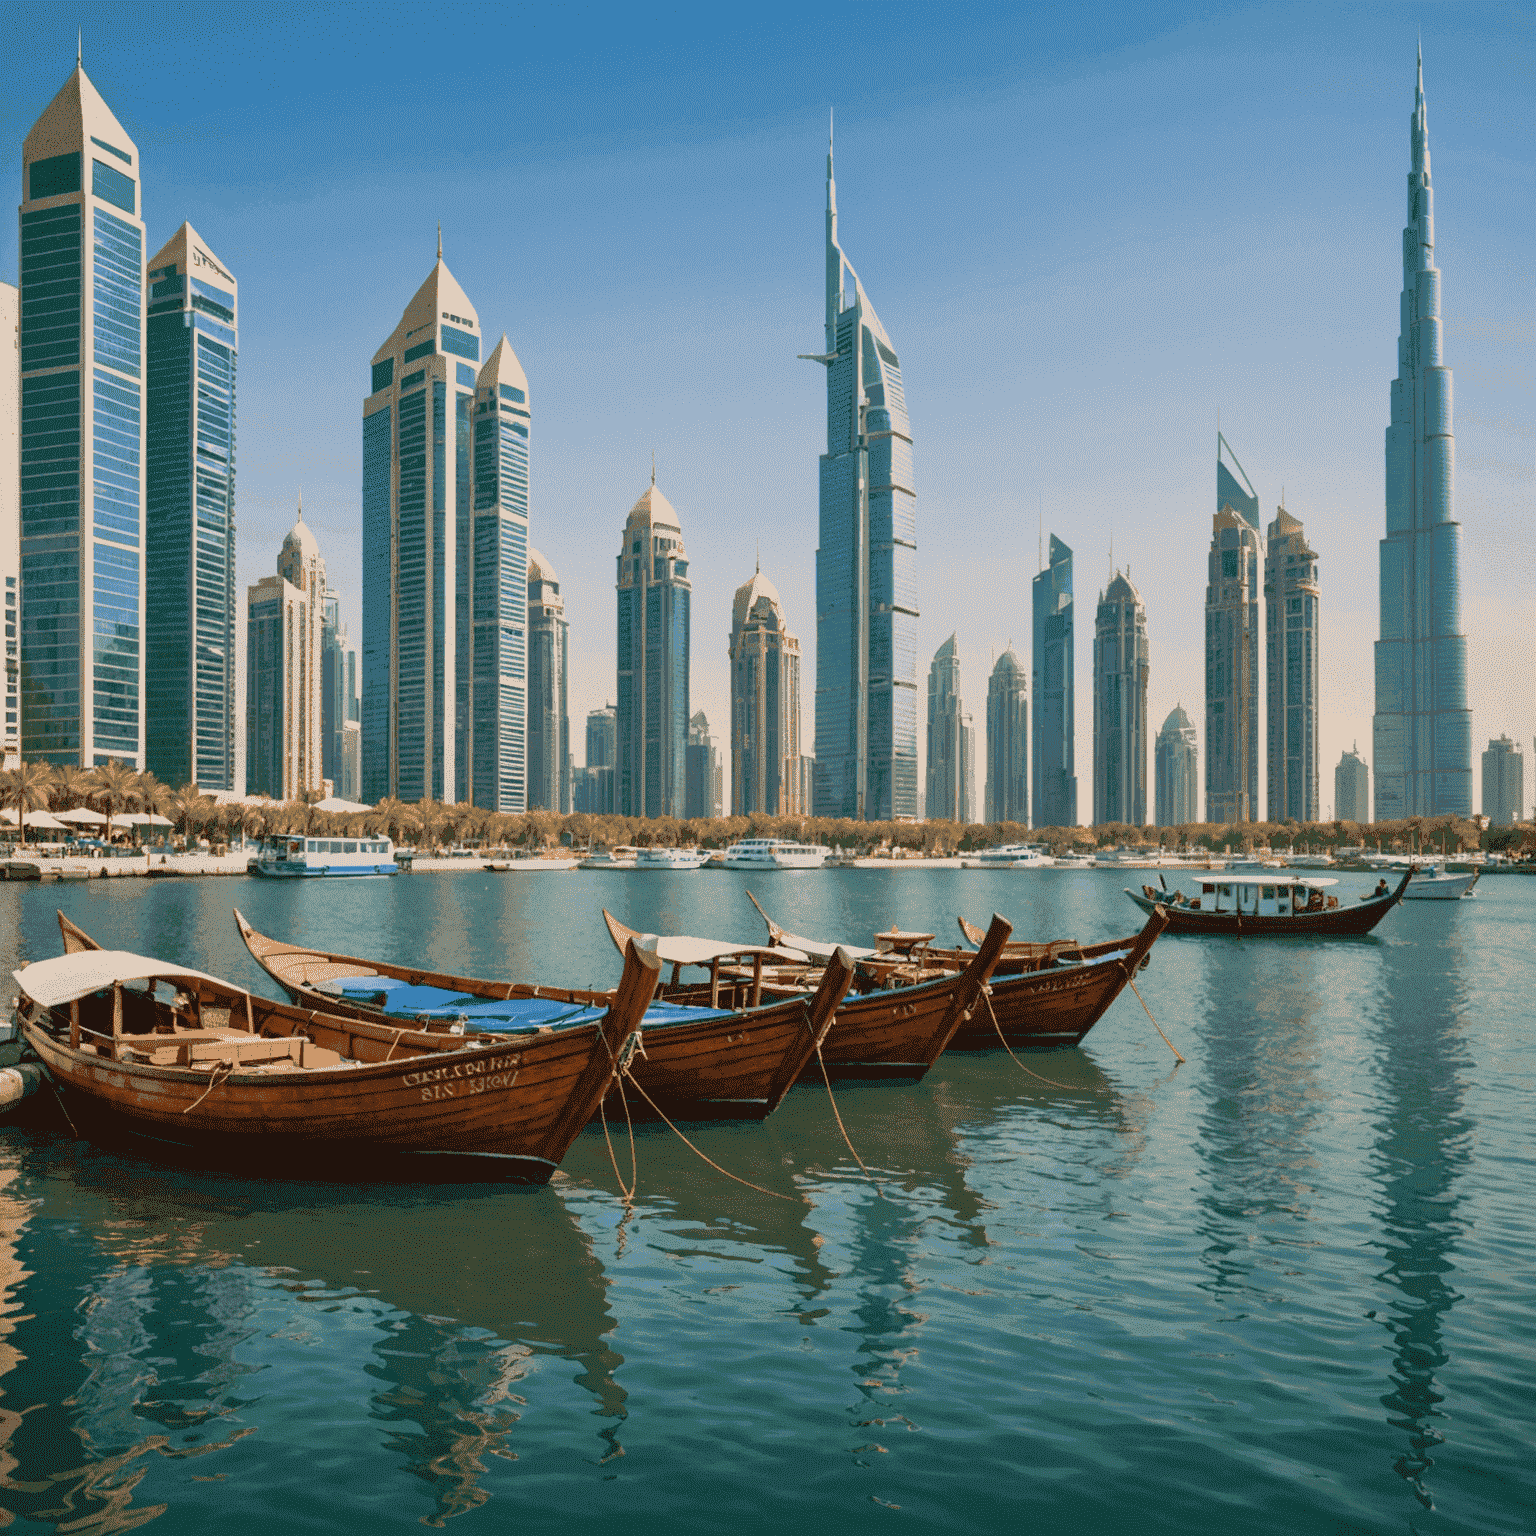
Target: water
x=1287, y=1287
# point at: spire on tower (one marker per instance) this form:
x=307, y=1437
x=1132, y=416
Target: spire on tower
x=439, y=239
x=653, y=466
x=79, y=48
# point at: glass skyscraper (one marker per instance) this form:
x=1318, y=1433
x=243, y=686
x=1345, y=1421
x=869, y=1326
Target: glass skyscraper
x=82, y=435
x=549, y=719
x=765, y=705
x=1121, y=663
x=1055, y=716
x=1176, y=770
x=950, y=792
x=10, y=523
x=190, y=551
x=866, y=563
x=1423, y=728
x=1293, y=670
x=1007, y=782
x=655, y=601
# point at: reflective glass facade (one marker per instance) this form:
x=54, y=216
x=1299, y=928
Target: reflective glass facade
x=866, y=563
x=549, y=721
x=1422, y=728
x=1233, y=641
x=1121, y=657
x=1007, y=782
x=82, y=450
x=1293, y=671
x=1054, y=786
x=765, y=706
x=1176, y=772
x=190, y=551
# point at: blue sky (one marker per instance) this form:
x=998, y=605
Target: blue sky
x=1086, y=229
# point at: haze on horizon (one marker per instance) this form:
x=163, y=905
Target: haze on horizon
x=1086, y=233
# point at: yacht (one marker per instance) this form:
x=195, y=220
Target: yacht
x=1435, y=884
x=1009, y=856
x=669, y=858
x=621, y=857
x=289, y=858
x=775, y=853
x=1073, y=861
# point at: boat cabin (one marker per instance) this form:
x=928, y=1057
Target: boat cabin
x=1258, y=895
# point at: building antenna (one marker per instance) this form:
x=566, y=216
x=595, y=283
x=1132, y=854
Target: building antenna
x=439, y=239
x=653, y=466
x=759, y=557
x=79, y=47
x=301, y=503
x=1040, y=537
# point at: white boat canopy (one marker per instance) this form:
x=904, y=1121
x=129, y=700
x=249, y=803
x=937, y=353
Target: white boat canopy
x=821, y=951
x=1222, y=877
x=679, y=949
x=67, y=978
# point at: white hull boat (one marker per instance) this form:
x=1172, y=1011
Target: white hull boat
x=1431, y=885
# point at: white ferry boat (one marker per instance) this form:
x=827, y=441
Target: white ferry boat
x=305, y=858
x=1009, y=856
x=669, y=858
x=775, y=853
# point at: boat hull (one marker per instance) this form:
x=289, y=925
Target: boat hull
x=288, y=871
x=1342, y=922
x=1440, y=887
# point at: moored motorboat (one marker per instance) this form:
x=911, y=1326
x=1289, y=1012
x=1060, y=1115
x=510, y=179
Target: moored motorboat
x=291, y=857
x=1009, y=856
x=1434, y=884
x=672, y=859
x=621, y=857
x=183, y=1060
x=723, y=1056
x=774, y=853
x=1250, y=905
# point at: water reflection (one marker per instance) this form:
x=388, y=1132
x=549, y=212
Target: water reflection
x=1422, y=1145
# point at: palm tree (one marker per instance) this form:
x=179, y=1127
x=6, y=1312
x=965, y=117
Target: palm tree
x=193, y=807
x=114, y=788
x=71, y=786
x=26, y=789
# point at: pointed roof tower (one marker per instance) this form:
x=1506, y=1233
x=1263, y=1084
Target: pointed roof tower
x=187, y=251
x=502, y=368
x=78, y=119
x=438, y=299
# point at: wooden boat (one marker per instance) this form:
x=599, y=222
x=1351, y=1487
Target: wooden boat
x=893, y=1030
x=725, y=1057
x=1253, y=905
x=1054, y=995
x=184, y=1060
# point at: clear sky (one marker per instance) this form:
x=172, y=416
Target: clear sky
x=1086, y=229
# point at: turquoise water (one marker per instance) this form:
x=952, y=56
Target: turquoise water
x=1287, y=1287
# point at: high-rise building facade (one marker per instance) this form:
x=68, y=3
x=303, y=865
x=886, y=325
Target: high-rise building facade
x=1503, y=782
x=189, y=552
x=1293, y=671
x=1351, y=789
x=549, y=719
x=1176, y=771
x=283, y=709
x=765, y=705
x=1121, y=663
x=1007, y=781
x=1233, y=640
x=592, y=790
x=1422, y=734
x=340, y=722
x=951, y=783
x=82, y=436
x=654, y=610
x=866, y=563
x=1055, y=712
x=10, y=520
x=705, y=773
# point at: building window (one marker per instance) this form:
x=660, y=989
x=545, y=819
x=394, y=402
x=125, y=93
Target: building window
x=465, y=375
x=422, y=349
x=113, y=187
x=383, y=375
x=461, y=343
x=52, y=178
x=510, y=392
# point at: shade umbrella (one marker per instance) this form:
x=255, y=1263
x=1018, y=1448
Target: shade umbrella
x=83, y=816
x=44, y=820
x=128, y=820
x=157, y=821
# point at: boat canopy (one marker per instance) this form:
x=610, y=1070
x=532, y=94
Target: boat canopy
x=1223, y=877
x=679, y=949
x=67, y=978
x=820, y=950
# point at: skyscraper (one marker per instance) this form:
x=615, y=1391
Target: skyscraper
x=1121, y=661
x=1232, y=641
x=1351, y=789
x=702, y=793
x=866, y=562
x=1292, y=621
x=189, y=551
x=1177, y=768
x=1423, y=728
x=951, y=789
x=338, y=673
x=1503, y=782
x=82, y=435
x=416, y=513
x=10, y=518
x=283, y=711
x=1007, y=785
x=1055, y=717
x=593, y=789
x=549, y=719
x=654, y=603
x=765, y=705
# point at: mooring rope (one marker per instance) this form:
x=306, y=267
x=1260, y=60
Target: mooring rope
x=1155, y=1025
x=213, y=1082
x=832, y=1100
x=627, y=1193
x=712, y=1163
x=987, y=997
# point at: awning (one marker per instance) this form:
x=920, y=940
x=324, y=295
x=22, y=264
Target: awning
x=679, y=949
x=65, y=978
x=83, y=816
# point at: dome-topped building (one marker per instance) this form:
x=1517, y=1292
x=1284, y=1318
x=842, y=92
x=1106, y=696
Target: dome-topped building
x=1176, y=770
x=1007, y=774
x=768, y=773
x=1120, y=667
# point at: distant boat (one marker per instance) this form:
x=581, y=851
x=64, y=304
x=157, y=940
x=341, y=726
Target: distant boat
x=529, y=864
x=1249, y=905
x=1433, y=884
x=622, y=857
x=1009, y=856
x=670, y=858
x=1074, y=861
x=306, y=858
x=775, y=853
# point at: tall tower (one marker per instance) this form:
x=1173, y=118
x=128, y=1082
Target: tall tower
x=1121, y=662
x=1177, y=754
x=1351, y=788
x=82, y=435
x=1007, y=786
x=951, y=788
x=1293, y=673
x=549, y=719
x=494, y=590
x=654, y=602
x=866, y=563
x=416, y=515
x=189, y=555
x=765, y=705
x=1423, y=728
x=1232, y=641
x=10, y=521
x=1055, y=720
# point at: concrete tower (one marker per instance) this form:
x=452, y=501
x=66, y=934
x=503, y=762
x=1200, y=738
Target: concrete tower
x=1351, y=788
x=82, y=435
x=1121, y=662
x=765, y=705
x=866, y=562
x=1055, y=717
x=1007, y=782
x=1293, y=675
x=654, y=602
